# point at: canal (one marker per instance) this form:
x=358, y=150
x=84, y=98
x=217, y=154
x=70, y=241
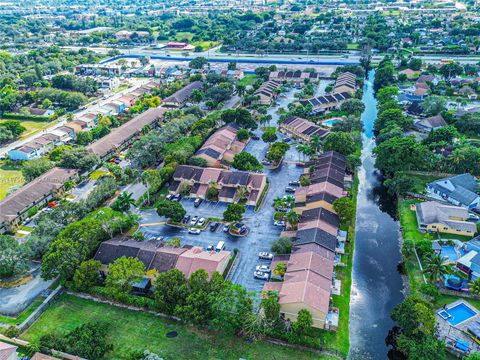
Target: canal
x=376, y=284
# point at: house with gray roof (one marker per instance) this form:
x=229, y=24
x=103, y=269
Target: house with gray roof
x=430, y=123
x=179, y=98
x=459, y=190
x=433, y=216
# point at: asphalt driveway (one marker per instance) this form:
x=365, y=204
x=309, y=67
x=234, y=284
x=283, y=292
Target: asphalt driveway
x=262, y=232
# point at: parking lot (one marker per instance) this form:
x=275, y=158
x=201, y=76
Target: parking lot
x=262, y=232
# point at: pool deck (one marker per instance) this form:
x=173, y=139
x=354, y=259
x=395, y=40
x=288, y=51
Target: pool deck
x=447, y=330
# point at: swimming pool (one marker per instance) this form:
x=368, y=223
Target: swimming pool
x=449, y=252
x=457, y=314
x=329, y=122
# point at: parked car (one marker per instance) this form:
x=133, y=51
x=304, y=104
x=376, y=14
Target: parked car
x=255, y=137
x=220, y=246
x=279, y=223
x=294, y=183
x=265, y=255
x=214, y=226
x=289, y=189
x=194, y=231
x=197, y=202
x=177, y=197
x=263, y=268
x=169, y=197
x=287, y=139
x=261, y=275
x=201, y=221
x=226, y=227
x=266, y=162
x=186, y=219
x=211, y=247
x=473, y=216
x=194, y=220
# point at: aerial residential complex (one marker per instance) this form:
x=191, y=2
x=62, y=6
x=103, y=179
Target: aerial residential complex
x=299, y=173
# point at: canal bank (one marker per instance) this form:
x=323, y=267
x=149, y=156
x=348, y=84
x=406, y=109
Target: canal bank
x=376, y=284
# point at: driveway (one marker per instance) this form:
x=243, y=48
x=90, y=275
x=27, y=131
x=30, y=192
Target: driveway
x=15, y=300
x=262, y=232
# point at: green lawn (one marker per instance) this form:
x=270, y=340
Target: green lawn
x=10, y=176
x=131, y=330
x=24, y=315
x=408, y=221
x=248, y=79
x=421, y=181
x=32, y=127
x=182, y=35
x=206, y=45
x=352, y=46
x=97, y=173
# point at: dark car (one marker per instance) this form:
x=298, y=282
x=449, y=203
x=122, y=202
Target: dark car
x=186, y=219
x=214, y=226
x=294, y=183
x=255, y=137
x=289, y=189
x=197, y=202
x=177, y=197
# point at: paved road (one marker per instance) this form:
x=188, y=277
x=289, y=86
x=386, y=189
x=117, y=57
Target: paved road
x=260, y=224
x=15, y=300
x=353, y=56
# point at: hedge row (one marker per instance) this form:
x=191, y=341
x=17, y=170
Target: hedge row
x=22, y=117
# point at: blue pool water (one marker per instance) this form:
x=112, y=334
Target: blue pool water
x=459, y=313
x=448, y=252
x=329, y=122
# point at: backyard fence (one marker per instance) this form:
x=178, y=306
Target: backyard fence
x=39, y=311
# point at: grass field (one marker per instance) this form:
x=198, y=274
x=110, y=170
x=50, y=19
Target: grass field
x=10, y=176
x=206, y=45
x=132, y=330
x=421, y=181
x=352, y=46
x=248, y=79
x=32, y=127
x=24, y=315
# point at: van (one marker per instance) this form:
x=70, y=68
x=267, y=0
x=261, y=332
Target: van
x=220, y=246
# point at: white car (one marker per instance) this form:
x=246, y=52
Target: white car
x=265, y=255
x=263, y=268
x=279, y=223
x=261, y=275
x=201, y=221
x=194, y=220
x=194, y=231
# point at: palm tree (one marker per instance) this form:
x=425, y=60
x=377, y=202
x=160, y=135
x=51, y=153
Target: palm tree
x=148, y=177
x=278, y=202
x=293, y=219
x=316, y=143
x=123, y=202
x=475, y=287
x=241, y=192
x=289, y=199
x=435, y=267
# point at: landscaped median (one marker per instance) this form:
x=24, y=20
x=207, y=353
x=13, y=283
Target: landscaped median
x=136, y=330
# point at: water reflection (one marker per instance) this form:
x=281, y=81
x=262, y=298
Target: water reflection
x=376, y=283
